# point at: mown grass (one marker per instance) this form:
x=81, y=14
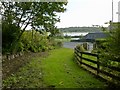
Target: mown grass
x=57, y=70
x=61, y=71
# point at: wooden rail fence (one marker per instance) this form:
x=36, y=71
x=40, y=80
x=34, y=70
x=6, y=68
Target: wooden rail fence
x=112, y=74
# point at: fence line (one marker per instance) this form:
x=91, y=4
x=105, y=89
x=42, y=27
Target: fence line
x=82, y=61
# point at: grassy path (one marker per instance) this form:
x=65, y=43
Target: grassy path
x=56, y=70
x=61, y=71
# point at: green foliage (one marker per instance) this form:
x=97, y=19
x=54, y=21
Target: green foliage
x=80, y=47
x=60, y=72
x=59, y=35
x=59, y=44
x=67, y=37
x=64, y=73
x=34, y=41
x=39, y=15
x=54, y=43
x=16, y=16
x=81, y=29
x=20, y=47
x=102, y=50
x=85, y=45
x=29, y=76
x=114, y=42
x=102, y=44
x=9, y=34
x=111, y=46
x=109, y=50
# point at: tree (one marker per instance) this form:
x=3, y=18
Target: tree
x=114, y=42
x=9, y=34
x=38, y=15
x=110, y=48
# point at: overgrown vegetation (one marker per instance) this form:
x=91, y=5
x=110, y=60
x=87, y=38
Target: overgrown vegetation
x=40, y=16
x=29, y=76
x=53, y=72
x=81, y=29
x=109, y=51
x=33, y=41
x=110, y=48
x=80, y=47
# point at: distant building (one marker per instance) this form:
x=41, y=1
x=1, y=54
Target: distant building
x=94, y=36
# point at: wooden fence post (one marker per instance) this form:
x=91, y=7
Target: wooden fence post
x=98, y=65
x=74, y=52
x=81, y=58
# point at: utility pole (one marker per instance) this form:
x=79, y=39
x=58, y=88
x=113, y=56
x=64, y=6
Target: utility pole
x=118, y=11
x=112, y=11
x=111, y=21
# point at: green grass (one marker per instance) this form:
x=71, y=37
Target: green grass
x=89, y=57
x=61, y=71
x=28, y=76
x=57, y=70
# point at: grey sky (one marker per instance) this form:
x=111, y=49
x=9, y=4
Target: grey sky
x=88, y=13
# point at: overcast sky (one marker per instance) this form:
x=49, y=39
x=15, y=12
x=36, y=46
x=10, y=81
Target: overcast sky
x=88, y=13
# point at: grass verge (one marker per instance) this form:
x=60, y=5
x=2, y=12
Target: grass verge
x=60, y=71
x=28, y=76
x=57, y=70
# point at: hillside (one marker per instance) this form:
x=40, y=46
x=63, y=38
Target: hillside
x=81, y=29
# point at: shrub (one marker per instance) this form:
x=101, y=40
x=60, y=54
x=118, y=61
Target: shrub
x=85, y=45
x=10, y=33
x=35, y=42
x=80, y=47
x=20, y=47
x=59, y=44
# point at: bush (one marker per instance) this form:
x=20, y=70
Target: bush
x=80, y=47
x=20, y=47
x=59, y=44
x=35, y=42
x=10, y=33
x=85, y=45
x=109, y=50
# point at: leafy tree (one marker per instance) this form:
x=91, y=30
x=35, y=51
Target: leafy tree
x=38, y=15
x=114, y=42
x=9, y=34
x=110, y=48
x=81, y=29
